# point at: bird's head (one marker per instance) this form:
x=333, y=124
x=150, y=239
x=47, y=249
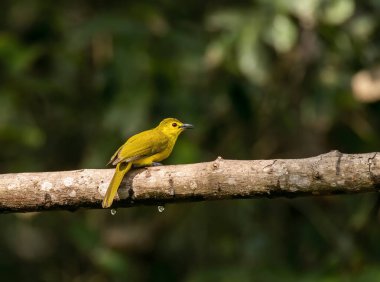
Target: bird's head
x=173, y=127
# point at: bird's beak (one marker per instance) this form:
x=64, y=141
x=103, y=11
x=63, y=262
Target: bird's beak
x=186, y=126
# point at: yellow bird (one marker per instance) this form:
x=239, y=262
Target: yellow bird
x=143, y=149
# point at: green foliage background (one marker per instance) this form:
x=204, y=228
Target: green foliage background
x=258, y=79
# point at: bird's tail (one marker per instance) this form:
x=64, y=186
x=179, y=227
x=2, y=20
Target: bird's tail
x=120, y=171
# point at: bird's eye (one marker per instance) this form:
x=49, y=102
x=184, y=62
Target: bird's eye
x=174, y=124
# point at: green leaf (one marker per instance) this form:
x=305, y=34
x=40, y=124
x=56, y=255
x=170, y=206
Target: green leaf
x=282, y=34
x=338, y=11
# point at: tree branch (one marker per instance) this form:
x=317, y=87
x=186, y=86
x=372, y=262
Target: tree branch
x=325, y=174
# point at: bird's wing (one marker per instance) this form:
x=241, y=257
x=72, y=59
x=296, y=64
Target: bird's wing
x=139, y=146
x=114, y=156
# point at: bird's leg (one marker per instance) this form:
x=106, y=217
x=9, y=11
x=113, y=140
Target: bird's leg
x=147, y=165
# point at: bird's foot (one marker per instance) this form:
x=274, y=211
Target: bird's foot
x=156, y=164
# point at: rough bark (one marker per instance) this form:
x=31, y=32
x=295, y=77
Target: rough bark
x=325, y=174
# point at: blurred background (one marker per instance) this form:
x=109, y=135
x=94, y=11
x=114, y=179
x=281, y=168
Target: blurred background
x=258, y=79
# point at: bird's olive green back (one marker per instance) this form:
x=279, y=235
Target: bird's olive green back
x=144, y=144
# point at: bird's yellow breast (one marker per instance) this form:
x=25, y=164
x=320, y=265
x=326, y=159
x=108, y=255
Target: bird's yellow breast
x=157, y=157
